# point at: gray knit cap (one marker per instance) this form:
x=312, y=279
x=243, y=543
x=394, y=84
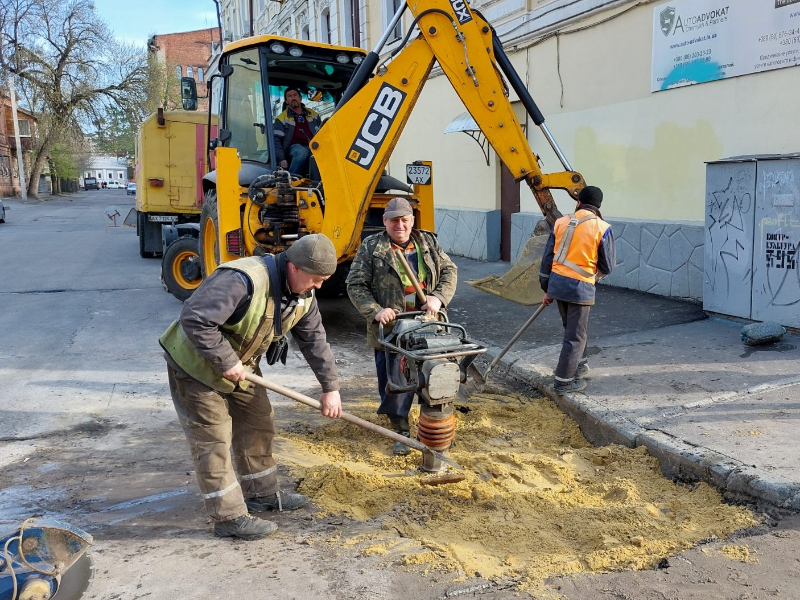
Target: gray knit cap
x=313, y=254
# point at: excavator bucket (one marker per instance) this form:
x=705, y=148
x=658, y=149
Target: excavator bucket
x=521, y=283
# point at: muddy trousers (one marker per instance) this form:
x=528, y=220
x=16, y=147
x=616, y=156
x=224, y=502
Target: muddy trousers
x=392, y=405
x=575, y=318
x=215, y=423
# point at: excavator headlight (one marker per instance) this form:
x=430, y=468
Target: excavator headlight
x=295, y=51
x=358, y=59
x=342, y=58
x=277, y=47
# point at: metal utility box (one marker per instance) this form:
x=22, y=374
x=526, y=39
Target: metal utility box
x=752, y=234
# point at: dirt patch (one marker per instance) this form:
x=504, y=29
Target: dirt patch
x=538, y=500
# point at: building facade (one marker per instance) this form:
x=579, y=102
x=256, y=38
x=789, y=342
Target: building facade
x=596, y=69
x=9, y=169
x=105, y=169
x=188, y=54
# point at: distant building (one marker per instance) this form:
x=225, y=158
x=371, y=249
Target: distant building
x=188, y=54
x=106, y=168
x=9, y=170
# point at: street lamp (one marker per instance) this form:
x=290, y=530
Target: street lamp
x=20, y=162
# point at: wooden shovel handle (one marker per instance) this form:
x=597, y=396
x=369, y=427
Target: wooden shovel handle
x=417, y=287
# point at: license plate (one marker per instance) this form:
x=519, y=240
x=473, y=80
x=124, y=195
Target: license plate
x=419, y=174
x=160, y=219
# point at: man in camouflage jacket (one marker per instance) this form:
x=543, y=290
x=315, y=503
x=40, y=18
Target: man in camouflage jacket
x=379, y=289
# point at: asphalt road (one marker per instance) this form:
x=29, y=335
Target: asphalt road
x=88, y=433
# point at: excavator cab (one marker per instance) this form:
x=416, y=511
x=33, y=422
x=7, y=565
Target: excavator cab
x=256, y=75
x=252, y=206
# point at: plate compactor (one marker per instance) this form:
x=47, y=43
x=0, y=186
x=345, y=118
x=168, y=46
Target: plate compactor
x=429, y=357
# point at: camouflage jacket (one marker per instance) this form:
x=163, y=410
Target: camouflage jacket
x=374, y=281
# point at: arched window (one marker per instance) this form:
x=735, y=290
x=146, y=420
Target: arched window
x=189, y=72
x=178, y=71
x=304, y=33
x=325, y=26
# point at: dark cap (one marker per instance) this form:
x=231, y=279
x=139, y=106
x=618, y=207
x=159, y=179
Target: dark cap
x=313, y=254
x=591, y=195
x=397, y=207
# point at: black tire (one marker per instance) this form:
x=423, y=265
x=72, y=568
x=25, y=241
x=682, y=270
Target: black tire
x=208, y=246
x=336, y=284
x=141, y=231
x=180, y=267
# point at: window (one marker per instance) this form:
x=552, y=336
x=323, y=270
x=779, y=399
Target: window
x=24, y=128
x=246, y=114
x=325, y=26
x=304, y=33
x=199, y=73
x=99, y=175
x=179, y=71
x=391, y=7
x=119, y=175
x=352, y=24
x=189, y=72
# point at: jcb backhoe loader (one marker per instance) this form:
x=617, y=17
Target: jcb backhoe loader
x=253, y=207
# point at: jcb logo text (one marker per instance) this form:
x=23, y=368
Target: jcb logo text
x=461, y=10
x=377, y=124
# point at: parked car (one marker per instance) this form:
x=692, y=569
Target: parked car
x=114, y=185
x=2, y=212
x=90, y=183
x=131, y=189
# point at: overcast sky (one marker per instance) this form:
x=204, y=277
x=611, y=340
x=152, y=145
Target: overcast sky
x=135, y=20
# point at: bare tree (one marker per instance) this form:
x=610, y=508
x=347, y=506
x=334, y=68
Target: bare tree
x=70, y=68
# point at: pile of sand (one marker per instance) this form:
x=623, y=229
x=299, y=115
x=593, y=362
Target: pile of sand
x=538, y=499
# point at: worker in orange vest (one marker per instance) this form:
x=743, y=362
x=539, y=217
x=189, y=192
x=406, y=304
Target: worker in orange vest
x=580, y=247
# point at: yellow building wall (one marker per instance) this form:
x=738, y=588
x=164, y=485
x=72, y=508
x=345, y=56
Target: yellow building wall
x=646, y=150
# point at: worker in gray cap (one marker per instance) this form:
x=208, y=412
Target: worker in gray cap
x=379, y=288
x=240, y=313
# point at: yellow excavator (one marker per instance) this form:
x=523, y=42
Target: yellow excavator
x=253, y=207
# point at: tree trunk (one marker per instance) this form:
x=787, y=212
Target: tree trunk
x=38, y=166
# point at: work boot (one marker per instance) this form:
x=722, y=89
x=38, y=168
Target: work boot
x=566, y=387
x=400, y=425
x=583, y=371
x=246, y=527
x=279, y=501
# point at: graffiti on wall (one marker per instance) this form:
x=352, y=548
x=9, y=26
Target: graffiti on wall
x=729, y=210
x=778, y=231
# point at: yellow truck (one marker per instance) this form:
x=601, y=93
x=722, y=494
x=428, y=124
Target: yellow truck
x=171, y=161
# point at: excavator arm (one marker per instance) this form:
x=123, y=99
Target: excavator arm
x=377, y=104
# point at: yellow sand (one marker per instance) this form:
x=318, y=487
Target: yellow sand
x=538, y=499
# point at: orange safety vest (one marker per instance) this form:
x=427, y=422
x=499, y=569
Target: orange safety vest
x=577, y=240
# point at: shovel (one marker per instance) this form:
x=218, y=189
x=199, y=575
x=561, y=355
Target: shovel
x=480, y=378
x=303, y=399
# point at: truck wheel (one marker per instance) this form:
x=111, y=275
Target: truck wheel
x=180, y=267
x=141, y=231
x=209, y=234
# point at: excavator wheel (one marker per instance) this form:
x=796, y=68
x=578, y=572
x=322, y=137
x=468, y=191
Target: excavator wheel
x=209, y=234
x=180, y=267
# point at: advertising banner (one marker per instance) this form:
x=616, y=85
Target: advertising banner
x=696, y=41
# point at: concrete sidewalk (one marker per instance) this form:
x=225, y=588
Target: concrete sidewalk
x=707, y=406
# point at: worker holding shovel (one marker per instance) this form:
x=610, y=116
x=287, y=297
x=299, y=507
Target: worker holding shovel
x=580, y=246
x=240, y=313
